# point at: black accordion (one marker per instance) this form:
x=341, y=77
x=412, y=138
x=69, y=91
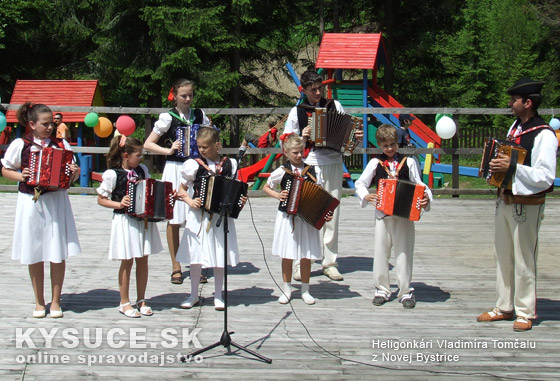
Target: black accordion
x=400, y=198
x=494, y=147
x=334, y=130
x=214, y=189
x=150, y=199
x=307, y=200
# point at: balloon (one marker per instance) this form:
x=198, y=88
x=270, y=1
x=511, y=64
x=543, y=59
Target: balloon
x=2, y=122
x=125, y=125
x=91, y=119
x=446, y=127
x=439, y=116
x=554, y=123
x=103, y=128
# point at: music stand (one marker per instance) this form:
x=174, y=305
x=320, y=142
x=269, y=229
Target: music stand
x=225, y=339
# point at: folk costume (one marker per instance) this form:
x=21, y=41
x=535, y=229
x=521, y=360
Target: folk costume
x=329, y=163
x=44, y=230
x=131, y=237
x=203, y=241
x=519, y=212
x=391, y=231
x=166, y=126
x=294, y=238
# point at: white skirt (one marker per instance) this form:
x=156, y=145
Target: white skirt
x=172, y=173
x=199, y=246
x=44, y=231
x=295, y=239
x=130, y=240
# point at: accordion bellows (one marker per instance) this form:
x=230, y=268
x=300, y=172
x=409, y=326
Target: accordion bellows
x=494, y=147
x=308, y=200
x=334, y=130
x=50, y=168
x=400, y=198
x=151, y=199
x=213, y=190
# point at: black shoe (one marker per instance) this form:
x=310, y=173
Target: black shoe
x=203, y=279
x=409, y=302
x=378, y=301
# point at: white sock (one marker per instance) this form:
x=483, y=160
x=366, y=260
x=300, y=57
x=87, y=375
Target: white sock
x=286, y=293
x=218, y=282
x=195, y=271
x=305, y=295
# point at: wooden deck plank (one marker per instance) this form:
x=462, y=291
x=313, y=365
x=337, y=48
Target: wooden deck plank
x=453, y=275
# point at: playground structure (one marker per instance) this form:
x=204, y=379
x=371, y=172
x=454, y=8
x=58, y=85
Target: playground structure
x=366, y=52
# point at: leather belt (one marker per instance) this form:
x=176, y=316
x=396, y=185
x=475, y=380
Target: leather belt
x=525, y=200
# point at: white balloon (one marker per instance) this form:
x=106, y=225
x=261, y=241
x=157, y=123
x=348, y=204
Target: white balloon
x=445, y=127
x=554, y=123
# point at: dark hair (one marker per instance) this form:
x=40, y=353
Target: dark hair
x=310, y=77
x=29, y=112
x=386, y=133
x=114, y=156
x=536, y=99
x=209, y=134
x=58, y=114
x=180, y=83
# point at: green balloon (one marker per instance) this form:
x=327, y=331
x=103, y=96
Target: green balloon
x=439, y=116
x=91, y=119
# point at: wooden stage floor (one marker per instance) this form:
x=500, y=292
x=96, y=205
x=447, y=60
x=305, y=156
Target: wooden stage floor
x=343, y=336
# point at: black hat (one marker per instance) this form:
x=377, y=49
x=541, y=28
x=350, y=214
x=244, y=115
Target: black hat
x=526, y=86
x=403, y=117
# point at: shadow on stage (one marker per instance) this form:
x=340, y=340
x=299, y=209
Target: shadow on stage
x=547, y=310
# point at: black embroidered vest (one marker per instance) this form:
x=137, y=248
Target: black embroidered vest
x=120, y=187
x=381, y=173
x=172, y=131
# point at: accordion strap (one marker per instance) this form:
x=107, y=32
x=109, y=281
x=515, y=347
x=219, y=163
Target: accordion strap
x=303, y=173
x=399, y=167
x=218, y=166
x=182, y=120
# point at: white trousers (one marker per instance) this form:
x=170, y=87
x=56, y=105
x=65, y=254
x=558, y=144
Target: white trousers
x=396, y=233
x=332, y=177
x=516, y=245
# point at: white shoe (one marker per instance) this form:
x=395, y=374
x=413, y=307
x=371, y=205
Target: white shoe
x=219, y=304
x=297, y=272
x=284, y=298
x=190, y=302
x=332, y=272
x=307, y=298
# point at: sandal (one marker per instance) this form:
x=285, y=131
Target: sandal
x=145, y=309
x=175, y=279
x=132, y=313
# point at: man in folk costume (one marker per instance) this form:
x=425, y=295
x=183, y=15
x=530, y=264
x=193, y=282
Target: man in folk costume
x=520, y=210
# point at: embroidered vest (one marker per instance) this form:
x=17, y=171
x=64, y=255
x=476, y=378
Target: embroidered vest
x=171, y=133
x=225, y=169
x=381, y=173
x=120, y=187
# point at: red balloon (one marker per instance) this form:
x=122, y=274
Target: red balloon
x=125, y=125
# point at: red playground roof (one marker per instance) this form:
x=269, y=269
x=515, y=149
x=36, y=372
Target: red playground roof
x=351, y=51
x=57, y=93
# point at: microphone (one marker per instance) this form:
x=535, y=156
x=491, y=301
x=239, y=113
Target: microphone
x=241, y=153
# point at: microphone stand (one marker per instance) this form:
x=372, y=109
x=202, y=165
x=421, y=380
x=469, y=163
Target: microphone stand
x=225, y=339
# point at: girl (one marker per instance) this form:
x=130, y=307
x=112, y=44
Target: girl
x=181, y=115
x=293, y=237
x=131, y=238
x=202, y=242
x=44, y=231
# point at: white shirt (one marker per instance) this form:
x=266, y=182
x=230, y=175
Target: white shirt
x=315, y=157
x=540, y=175
x=364, y=182
x=164, y=122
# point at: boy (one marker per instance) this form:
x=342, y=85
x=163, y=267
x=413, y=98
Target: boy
x=391, y=231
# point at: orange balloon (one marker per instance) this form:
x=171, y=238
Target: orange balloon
x=103, y=128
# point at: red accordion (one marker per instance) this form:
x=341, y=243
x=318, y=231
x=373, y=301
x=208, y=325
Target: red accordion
x=150, y=199
x=308, y=200
x=50, y=168
x=400, y=198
